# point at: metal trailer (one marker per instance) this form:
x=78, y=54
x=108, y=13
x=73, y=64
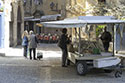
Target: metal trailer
x=84, y=63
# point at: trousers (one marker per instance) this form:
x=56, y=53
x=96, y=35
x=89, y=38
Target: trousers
x=106, y=46
x=64, y=57
x=34, y=53
x=25, y=51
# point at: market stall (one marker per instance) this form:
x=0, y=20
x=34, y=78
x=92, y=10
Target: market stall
x=88, y=53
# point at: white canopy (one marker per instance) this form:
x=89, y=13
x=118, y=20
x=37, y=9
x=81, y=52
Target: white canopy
x=64, y=23
x=43, y=18
x=82, y=21
x=50, y=17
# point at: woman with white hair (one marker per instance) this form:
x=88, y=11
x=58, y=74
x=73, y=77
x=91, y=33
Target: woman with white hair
x=25, y=43
x=32, y=45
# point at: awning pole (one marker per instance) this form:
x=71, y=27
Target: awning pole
x=114, y=31
x=79, y=41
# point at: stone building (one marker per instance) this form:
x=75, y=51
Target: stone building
x=35, y=9
x=13, y=21
x=16, y=23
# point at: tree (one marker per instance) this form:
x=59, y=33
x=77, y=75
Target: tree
x=109, y=10
x=97, y=9
x=77, y=9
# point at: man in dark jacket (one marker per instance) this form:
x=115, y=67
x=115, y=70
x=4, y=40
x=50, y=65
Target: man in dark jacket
x=63, y=41
x=106, y=39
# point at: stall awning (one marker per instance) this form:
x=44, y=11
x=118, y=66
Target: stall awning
x=100, y=19
x=43, y=18
x=64, y=23
x=28, y=18
x=104, y=21
x=96, y=17
x=50, y=17
x=82, y=21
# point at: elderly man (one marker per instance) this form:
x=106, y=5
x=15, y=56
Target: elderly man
x=32, y=44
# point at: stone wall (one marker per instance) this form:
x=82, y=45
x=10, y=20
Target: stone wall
x=41, y=8
x=44, y=6
x=11, y=18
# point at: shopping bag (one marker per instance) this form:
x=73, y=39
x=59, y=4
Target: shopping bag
x=39, y=55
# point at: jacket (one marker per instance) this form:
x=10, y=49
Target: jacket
x=106, y=37
x=63, y=41
x=32, y=41
x=25, y=41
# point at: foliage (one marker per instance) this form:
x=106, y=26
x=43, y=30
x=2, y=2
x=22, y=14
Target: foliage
x=77, y=9
x=1, y=9
x=99, y=30
x=1, y=6
x=99, y=9
x=108, y=10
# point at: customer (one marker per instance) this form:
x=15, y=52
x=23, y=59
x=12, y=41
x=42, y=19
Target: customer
x=32, y=45
x=62, y=43
x=25, y=43
x=106, y=39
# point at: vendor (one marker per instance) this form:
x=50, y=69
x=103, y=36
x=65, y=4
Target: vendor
x=106, y=39
x=62, y=43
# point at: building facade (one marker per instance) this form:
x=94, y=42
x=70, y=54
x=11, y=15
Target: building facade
x=35, y=9
x=13, y=21
x=16, y=23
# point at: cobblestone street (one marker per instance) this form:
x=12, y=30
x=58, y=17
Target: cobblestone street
x=48, y=70
x=17, y=69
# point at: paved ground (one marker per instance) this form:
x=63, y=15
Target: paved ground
x=18, y=51
x=48, y=70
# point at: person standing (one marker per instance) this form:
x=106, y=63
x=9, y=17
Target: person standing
x=25, y=43
x=32, y=45
x=62, y=43
x=106, y=39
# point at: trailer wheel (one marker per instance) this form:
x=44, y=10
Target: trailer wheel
x=118, y=74
x=81, y=67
